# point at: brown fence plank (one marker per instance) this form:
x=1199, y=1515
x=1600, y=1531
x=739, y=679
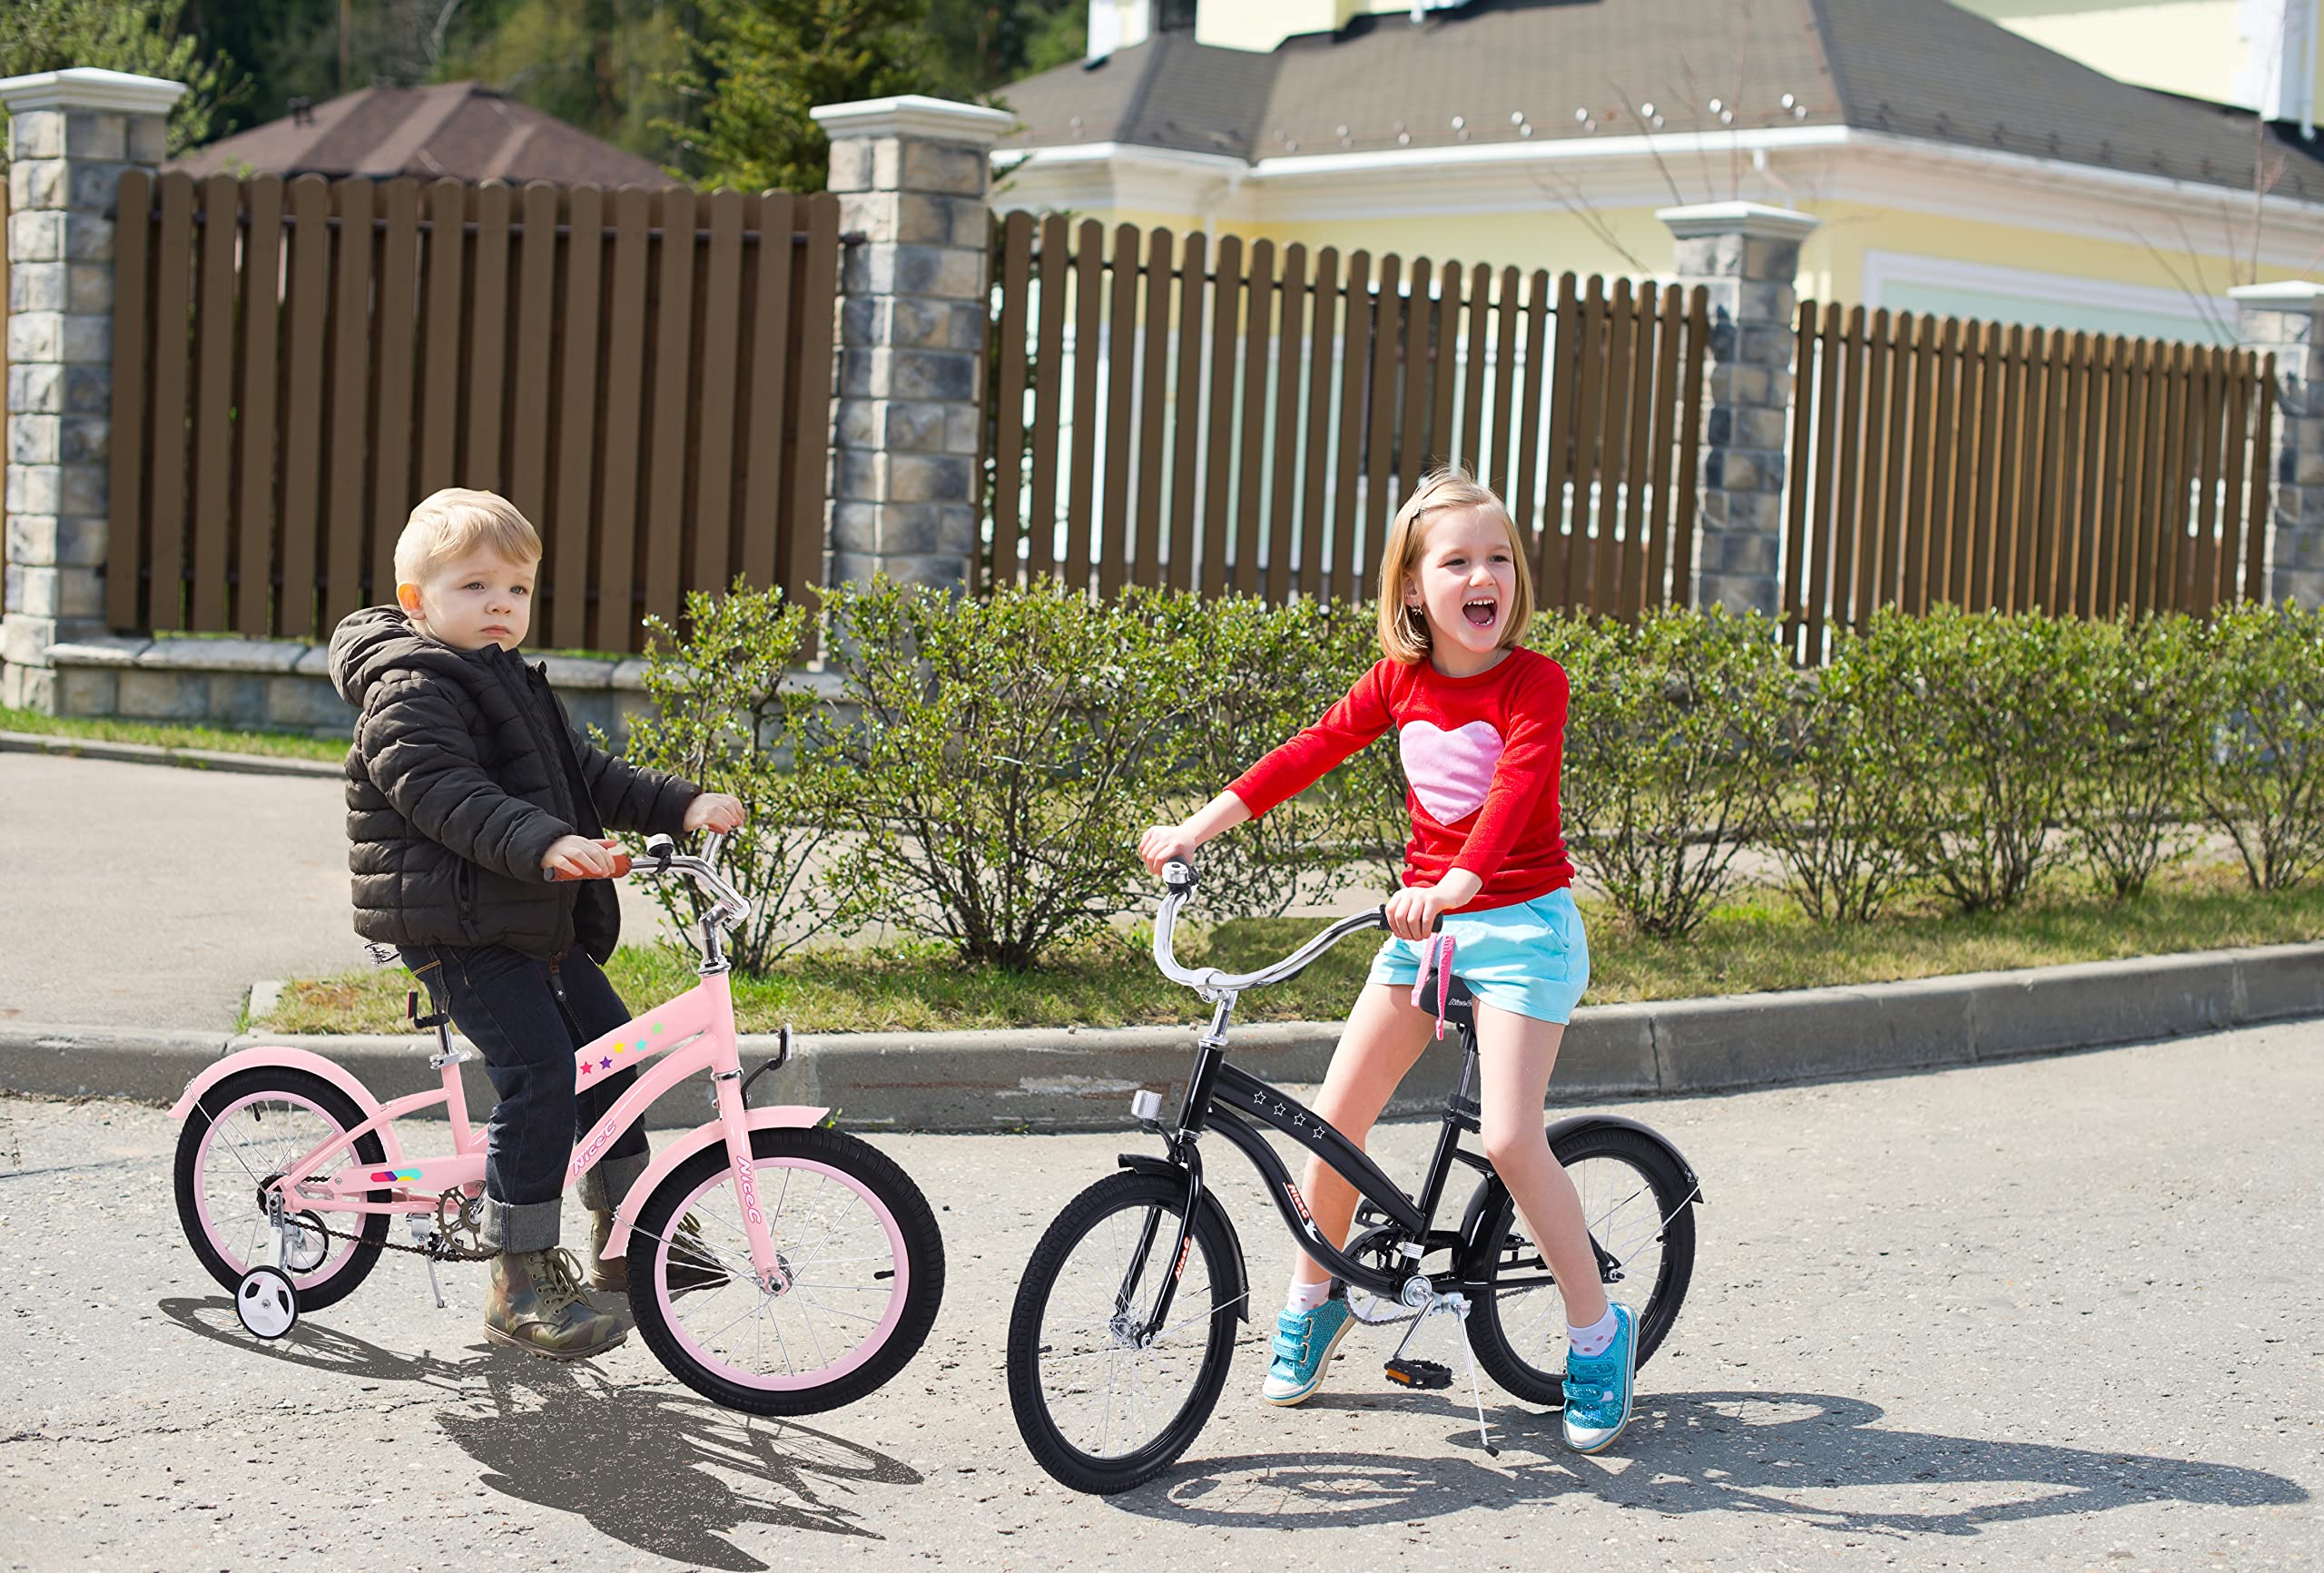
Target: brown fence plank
x=1592, y=361
x=1859, y=397
x=1613, y=448
x=1896, y=464
x=1153, y=371
x=1943, y=471
x=1502, y=473
x=2011, y=519
x=565, y=577
x=214, y=433
x=808, y=402
x=350, y=403
x=626, y=377
x=130, y=434
x=1691, y=433
x=484, y=462
x=307, y=311
x=1654, y=591
x=1111, y=552
x=665, y=481
x=2210, y=405
x=1008, y=414
x=2138, y=421
x=261, y=315
x=712, y=561
x=2227, y=581
x=395, y=341
x=1080, y=500
x=1411, y=354
x=530, y=388
x=1637, y=464
x=1258, y=324
x=1284, y=459
x=1445, y=345
x=2041, y=492
x=172, y=349
x=1540, y=355
x=1356, y=367
x=1218, y=458
x=1314, y=522
x=1833, y=369
x=441, y=336
x=1909, y=523
x=1187, y=415
x=1880, y=451
x=1382, y=371
x=2074, y=440
x=1468, y=445
x=1048, y=398
x=770, y=218
x=2262, y=499
x=2171, y=512
x=1799, y=478
x=1980, y=417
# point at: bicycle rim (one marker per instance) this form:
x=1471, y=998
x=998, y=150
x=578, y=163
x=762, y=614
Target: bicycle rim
x=250, y=1140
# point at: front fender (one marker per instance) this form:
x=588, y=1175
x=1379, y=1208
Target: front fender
x=1237, y=1286
x=781, y=1117
x=267, y=1056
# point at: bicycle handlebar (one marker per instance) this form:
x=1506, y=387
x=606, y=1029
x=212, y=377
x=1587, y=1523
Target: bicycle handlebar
x=1178, y=877
x=662, y=857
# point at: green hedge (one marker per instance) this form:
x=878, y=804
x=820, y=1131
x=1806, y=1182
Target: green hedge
x=979, y=771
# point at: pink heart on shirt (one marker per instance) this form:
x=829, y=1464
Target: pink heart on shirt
x=1450, y=772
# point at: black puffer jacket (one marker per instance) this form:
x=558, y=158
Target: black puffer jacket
x=465, y=770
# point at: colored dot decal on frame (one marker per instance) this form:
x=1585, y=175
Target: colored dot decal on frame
x=658, y=1030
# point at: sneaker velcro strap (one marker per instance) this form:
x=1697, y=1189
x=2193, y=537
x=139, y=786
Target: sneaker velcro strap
x=1288, y=1347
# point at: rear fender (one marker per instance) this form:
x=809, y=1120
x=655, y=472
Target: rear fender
x=277, y=1057
x=781, y=1117
x=1238, y=1277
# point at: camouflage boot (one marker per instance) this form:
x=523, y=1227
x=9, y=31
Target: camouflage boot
x=689, y=1269
x=536, y=1305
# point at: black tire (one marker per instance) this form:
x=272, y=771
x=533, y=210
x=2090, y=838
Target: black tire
x=357, y=1263
x=1505, y=1352
x=1067, y=1462
x=923, y=1247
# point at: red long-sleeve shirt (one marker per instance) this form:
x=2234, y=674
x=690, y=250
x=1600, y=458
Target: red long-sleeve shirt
x=1481, y=754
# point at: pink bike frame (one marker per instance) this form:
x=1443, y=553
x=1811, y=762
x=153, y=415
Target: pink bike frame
x=694, y=1032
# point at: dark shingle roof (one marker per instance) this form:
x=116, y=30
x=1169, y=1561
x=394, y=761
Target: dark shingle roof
x=1513, y=70
x=454, y=128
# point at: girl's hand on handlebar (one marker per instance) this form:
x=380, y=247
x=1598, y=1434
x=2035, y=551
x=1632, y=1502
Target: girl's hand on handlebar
x=1162, y=843
x=715, y=811
x=579, y=858
x=1412, y=912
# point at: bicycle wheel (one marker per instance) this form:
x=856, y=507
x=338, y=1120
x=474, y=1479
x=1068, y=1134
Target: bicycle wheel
x=242, y=1133
x=1636, y=1201
x=857, y=1242
x=1101, y=1411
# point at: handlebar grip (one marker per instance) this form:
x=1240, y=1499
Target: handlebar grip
x=1380, y=916
x=558, y=876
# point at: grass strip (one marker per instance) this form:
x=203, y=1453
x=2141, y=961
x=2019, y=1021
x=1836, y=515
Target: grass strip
x=99, y=728
x=1758, y=943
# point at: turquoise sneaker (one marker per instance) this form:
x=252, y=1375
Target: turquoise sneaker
x=1304, y=1342
x=1598, y=1389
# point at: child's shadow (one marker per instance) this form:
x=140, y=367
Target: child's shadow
x=667, y=1473
x=1691, y=1452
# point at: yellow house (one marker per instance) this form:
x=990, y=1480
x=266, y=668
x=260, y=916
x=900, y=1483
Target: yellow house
x=2077, y=165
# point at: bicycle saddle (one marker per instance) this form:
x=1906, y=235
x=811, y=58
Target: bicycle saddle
x=1458, y=1002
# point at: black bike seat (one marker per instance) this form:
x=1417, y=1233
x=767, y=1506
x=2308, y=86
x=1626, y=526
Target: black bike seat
x=1458, y=1001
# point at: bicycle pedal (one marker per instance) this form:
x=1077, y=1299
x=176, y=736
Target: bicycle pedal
x=1424, y=1374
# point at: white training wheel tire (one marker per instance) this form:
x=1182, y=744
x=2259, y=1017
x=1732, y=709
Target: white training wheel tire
x=267, y=1304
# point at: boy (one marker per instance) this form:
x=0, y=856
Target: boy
x=467, y=783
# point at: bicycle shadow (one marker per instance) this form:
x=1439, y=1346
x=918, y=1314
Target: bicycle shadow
x=1693, y=1452
x=663, y=1472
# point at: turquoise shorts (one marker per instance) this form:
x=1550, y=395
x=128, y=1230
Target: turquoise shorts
x=1530, y=957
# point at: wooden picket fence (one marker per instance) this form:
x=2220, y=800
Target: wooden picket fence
x=1240, y=418
x=645, y=374
x=1997, y=466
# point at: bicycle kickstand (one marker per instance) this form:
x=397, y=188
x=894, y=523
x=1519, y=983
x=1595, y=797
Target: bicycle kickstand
x=1429, y=1374
x=421, y=1236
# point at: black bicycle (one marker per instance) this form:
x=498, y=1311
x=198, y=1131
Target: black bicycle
x=1125, y=1323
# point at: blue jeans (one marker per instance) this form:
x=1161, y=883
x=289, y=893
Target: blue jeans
x=528, y=1017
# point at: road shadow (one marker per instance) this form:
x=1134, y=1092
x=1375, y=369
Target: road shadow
x=662, y=1472
x=1814, y=1458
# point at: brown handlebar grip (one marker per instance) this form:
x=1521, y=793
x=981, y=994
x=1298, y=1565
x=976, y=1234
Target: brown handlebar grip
x=558, y=876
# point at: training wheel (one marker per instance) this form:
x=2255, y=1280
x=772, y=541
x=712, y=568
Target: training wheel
x=267, y=1304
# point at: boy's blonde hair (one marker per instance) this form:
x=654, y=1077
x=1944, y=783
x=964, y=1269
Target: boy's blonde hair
x=455, y=521
x=1403, y=630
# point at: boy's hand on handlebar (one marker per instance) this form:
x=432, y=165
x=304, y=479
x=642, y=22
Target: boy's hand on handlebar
x=1161, y=844
x=1412, y=912
x=714, y=811
x=579, y=858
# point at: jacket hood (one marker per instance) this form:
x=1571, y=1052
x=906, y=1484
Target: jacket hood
x=368, y=644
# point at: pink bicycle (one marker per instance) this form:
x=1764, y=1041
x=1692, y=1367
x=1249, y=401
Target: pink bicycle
x=829, y=1260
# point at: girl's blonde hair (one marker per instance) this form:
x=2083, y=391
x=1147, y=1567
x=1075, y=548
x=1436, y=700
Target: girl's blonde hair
x=455, y=521
x=1403, y=630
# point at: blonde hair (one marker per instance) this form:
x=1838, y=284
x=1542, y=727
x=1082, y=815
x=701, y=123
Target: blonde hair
x=1403, y=630
x=455, y=521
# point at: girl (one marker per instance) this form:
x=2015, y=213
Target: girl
x=1481, y=725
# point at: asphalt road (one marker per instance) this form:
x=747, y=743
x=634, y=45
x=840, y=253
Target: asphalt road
x=2065, y=1313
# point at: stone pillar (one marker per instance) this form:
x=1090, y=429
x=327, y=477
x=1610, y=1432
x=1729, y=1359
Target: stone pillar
x=70, y=133
x=911, y=174
x=1746, y=256
x=2287, y=321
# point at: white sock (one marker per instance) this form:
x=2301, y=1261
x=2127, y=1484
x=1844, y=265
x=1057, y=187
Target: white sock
x=1593, y=1339
x=1305, y=1297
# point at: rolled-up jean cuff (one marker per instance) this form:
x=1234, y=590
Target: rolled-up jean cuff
x=602, y=1187
x=521, y=1225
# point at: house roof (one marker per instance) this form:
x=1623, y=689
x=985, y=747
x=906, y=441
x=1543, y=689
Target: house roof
x=1507, y=71
x=460, y=129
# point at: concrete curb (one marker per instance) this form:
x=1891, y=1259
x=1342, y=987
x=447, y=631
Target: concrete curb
x=183, y=758
x=1065, y=1079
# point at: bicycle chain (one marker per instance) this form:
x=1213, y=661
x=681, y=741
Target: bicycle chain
x=442, y=1246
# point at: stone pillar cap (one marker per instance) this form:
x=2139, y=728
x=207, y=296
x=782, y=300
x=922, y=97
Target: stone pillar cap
x=1754, y=221
x=2292, y=293
x=914, y=114
x=87, y=87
